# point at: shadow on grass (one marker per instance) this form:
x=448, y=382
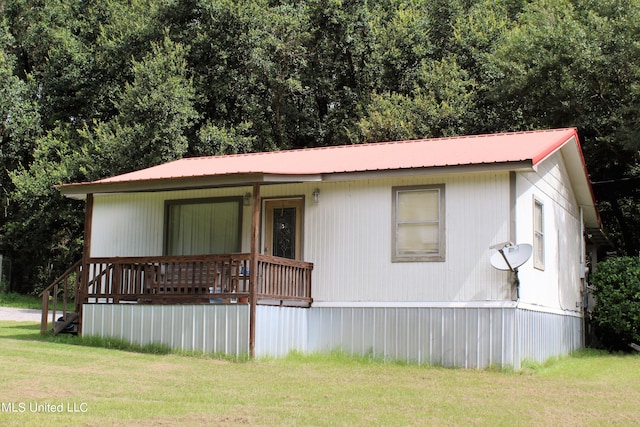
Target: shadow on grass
x=19, y=330
x=29, y=331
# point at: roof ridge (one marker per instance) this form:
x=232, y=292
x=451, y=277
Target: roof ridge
x=380, y=143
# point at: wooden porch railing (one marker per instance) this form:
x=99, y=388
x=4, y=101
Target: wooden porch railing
x=180, y=280
x=166, y=280
x=283, y=280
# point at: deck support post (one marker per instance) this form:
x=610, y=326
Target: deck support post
x=45, y=313
x=253, y=273
x=86, y=254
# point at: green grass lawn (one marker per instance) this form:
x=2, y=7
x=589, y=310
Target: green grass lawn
x=16, y=300
x=20, y=300
x=98, y=386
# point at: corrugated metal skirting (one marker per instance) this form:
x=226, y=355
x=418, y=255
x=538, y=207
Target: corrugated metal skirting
x=199, y=328
x=456, y=337
x=467, y=337
x=281, y=330
x=462, y=337
x=546, y=335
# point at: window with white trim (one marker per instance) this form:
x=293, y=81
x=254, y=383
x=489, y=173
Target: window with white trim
x=418, y=223
x=538, y=234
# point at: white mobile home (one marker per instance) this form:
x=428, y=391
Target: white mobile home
x=377, y=248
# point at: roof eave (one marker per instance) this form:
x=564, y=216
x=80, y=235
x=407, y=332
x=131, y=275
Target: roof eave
x=577, y=170
x=80, y=190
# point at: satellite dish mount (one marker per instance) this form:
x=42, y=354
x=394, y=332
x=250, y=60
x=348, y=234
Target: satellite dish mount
x=509, y=257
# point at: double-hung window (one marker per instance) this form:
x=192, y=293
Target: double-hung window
x=418, y=223
x=538, y=234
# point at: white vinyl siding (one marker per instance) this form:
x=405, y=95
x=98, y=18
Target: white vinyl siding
x=418, y=223
x=348, y=235
x=349, y=238
x=551, y=278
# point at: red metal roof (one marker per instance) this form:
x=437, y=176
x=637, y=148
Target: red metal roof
x=511, y=151
x=531, y=146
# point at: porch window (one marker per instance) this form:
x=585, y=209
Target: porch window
x=203, y=226
x=538, y=234
x=418, y=223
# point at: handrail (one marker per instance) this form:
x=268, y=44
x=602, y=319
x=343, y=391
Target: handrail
x=62, y=276
x=167, y=258
x=285, y=261
x=55, y=287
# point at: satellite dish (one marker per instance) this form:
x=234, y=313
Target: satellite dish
x=510, y=257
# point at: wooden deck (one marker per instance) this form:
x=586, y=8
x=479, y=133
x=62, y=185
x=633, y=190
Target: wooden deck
x=206, y=279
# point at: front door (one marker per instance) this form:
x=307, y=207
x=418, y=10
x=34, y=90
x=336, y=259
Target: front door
x=283, y=228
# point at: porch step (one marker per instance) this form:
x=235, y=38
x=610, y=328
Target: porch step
x=66, y=324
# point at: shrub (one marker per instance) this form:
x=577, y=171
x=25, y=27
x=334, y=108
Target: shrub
x=616, y=317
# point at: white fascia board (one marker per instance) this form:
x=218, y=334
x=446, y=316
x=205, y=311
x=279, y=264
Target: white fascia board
x=521, y=166
x=285, y=179
x=79, y=191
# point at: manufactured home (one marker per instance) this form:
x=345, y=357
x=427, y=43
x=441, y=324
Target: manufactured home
x=386, y=249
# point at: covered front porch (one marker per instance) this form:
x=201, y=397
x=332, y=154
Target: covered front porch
x=219, y=278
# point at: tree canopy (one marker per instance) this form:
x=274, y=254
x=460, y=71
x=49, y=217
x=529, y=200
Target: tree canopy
x=90, y=89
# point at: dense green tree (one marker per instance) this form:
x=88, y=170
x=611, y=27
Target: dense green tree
x=341, y=73
x=20, y=126
x=69, y=66
x=224, y=39
x=403, y=44
x=577, y=63
x=476, y=37
x=154, y=110
x=93, y=88
x=441, y=104
x=616, y=316
x=43, y=234
x=442, y=14
x=215, y=140
x=277, y=62
x=20, y=122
